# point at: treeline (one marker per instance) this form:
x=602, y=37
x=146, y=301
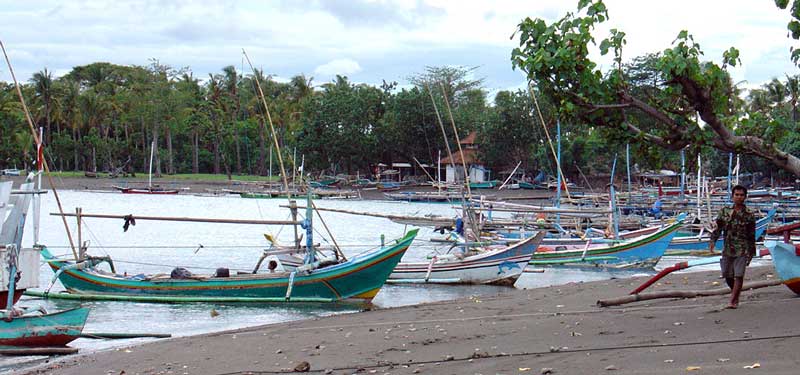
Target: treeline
x=106, y=117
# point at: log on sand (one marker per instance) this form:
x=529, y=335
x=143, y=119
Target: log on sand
x=682, y=294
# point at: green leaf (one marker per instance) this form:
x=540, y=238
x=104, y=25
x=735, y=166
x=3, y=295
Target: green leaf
x=781, y=3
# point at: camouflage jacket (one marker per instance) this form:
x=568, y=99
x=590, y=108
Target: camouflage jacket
x=740, y=231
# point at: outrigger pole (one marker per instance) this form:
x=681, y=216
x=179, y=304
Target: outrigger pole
x=184, y=219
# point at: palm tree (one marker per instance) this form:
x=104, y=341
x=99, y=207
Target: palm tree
x=230, y=83
x=793, y=89
x=43, y=89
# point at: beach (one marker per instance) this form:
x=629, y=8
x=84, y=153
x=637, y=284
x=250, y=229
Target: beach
x=556, y=330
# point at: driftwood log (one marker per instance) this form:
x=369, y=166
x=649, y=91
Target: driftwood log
x=682, y=294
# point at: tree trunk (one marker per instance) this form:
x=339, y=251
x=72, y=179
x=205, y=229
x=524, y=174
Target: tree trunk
x=145, y=156
x=216, y=155
x=170, y=161
x=156, y=157
x=262, y=150
x=238, y=152
x=195, y=152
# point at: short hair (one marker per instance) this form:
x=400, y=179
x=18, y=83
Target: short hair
x=740, y=188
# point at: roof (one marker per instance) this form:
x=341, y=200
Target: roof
x=470, y=157
x=470, y=139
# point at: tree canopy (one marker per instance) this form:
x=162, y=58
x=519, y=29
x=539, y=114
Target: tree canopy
x=674, y=98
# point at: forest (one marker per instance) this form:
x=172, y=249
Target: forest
x=101, y=116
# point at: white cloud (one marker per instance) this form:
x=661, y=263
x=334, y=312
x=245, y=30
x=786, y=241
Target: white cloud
x=338, y=66
x=382, y=39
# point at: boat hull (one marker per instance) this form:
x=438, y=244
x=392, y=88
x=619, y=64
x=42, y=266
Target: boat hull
x=359, y=278
x=786, y=258
x=498, y=267
x=56, y=329
x=641, y=252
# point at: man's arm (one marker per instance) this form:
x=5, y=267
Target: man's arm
x=719, y=224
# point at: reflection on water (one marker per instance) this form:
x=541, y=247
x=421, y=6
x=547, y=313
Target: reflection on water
x=157, y=246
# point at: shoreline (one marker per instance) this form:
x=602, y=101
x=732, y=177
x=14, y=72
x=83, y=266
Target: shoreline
x=521, y=332
x=207, y=188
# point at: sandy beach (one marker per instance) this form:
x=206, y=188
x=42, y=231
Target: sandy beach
x=556, y=330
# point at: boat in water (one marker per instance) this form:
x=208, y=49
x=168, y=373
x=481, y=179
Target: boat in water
x=359, y=278
x=19, y=270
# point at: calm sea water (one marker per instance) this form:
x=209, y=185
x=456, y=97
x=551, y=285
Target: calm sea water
x=159, y=246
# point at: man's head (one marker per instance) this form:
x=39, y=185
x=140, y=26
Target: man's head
x=738, y=194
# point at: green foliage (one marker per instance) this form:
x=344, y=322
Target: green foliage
x=655, y=99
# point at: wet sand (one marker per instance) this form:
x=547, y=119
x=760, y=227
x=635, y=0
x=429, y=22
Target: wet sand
x=556, y=330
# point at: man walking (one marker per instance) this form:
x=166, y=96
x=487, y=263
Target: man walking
x=739, y=225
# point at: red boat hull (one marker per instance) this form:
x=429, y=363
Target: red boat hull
x=4, y=297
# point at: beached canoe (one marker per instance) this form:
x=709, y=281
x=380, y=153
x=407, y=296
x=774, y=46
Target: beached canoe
x=640, y=252
x=498, y=265
x=38, y=329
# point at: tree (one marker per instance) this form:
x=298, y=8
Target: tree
x=684, y=89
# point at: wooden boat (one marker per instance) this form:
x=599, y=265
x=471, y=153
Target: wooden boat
x=498, y=265
x=19, y=326
x=37, y=329
x=681, y=244
x=786, y=257
x=638, y=252
x=155, y=190
x=147, y=190
x=325, y=182
x=418, y=196
x=484, y=184
x=361, y=277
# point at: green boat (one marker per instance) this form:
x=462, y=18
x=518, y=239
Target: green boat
x=251, y=195
x=361, y=277
x=37, y=329
x=484, y=185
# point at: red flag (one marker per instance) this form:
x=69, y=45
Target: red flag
x=39, y=157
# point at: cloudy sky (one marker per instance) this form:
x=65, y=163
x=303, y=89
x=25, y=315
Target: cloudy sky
x=368, y=41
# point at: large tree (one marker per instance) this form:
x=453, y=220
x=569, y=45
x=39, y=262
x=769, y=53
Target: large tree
x=685, y=101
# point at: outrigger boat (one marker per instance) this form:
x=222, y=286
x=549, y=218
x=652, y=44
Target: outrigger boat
x=360, y=277
x=686, y=245
x=22, y=326
x=786, y=256
x=496, y=265
x=640, y=252
x=150, y=189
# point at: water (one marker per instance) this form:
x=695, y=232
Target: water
x=159, y=246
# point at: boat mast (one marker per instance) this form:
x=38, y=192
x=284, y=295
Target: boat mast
x=38, y=140
x=150, y=170
x=37, y=198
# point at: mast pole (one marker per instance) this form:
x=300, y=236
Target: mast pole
x=38, y=139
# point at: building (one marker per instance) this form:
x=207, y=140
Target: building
x=454, y=172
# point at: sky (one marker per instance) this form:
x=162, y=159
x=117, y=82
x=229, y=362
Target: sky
x=367, y=41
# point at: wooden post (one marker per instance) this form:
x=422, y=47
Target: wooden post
x=293, y=209
x=81, y=249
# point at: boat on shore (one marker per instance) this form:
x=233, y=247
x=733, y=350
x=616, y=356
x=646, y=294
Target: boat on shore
x=786, y=256
x=491, y=265
x=639, y=252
